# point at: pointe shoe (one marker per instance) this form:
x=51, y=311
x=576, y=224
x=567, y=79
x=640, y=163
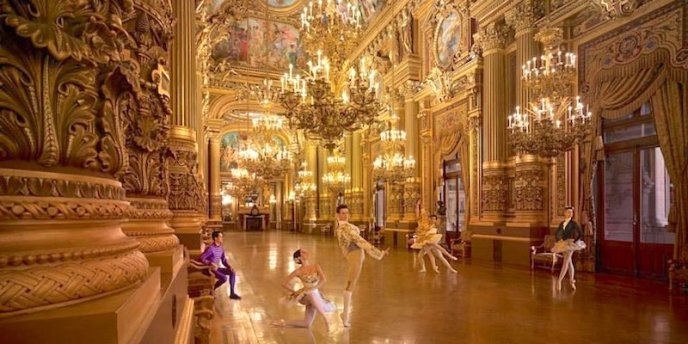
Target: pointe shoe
x=452, y=269
x=421, y=270
x=573, y=284
x=558, y=285
x=345, y=320
x=453, y=258
x=437, y=269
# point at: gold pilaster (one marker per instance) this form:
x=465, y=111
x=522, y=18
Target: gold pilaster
x=412, y=185
x=491, y=39
x=188, y=200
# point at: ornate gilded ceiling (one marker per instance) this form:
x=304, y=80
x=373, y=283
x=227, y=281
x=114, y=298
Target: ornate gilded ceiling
x=262, y=35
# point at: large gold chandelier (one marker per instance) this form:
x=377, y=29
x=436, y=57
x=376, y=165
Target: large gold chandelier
x=336, y=179
x=242, y=182
x=332, y=27
x=261, y=155
x=326, y=104
x=392, y=165
x=555, y=120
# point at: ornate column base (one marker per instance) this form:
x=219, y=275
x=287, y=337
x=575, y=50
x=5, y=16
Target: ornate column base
x=394, y=204
x=122, y=317
x=411, y=197
x=494, y=193
x=148, y=225
x=66, y=268
x=188, y=225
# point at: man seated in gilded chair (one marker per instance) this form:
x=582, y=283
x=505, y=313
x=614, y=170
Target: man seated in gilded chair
x=212, y=256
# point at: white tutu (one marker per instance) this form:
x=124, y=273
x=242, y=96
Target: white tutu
x=568, y=245
x=293, y=299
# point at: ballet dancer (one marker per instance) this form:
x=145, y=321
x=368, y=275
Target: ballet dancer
x=569, y=236
x=312, y=278
x=213, y=255
x=353, y=247
x=427, y=241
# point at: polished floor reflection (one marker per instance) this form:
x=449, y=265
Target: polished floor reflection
x=480, y=304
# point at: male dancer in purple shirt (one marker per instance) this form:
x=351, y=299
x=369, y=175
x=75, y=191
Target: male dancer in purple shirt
x=212, y=256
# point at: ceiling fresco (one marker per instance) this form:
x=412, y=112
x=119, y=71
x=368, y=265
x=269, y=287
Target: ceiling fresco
x=255, y=43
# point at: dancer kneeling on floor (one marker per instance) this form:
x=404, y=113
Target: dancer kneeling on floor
x=312, y=278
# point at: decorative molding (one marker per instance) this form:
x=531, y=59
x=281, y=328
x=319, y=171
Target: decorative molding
x=523, y=15
x=494, y=193
x=45, y=286
x=529, y=188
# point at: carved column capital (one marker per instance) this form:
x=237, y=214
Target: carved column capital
x=491, y=37
x=522, y=16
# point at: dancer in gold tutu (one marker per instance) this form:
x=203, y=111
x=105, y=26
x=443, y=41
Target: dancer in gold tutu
x=427, y=241
x=569, y=235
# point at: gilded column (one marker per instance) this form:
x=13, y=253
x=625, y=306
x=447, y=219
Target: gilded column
x=62, y=144
x=187, y=195
x=147, y=131
x=395, y=190
x=325, y=210
x=348, y=154
x=493, y=198
x=530, y=172
x=412, y=185
x=426, y=156
x=366, y=179
x=215, y=188
x=357, y=166
x=311, y=214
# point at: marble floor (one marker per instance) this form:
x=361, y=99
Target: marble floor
x=481, y=303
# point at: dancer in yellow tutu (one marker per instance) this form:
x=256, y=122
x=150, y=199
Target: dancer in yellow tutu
x=427, y=241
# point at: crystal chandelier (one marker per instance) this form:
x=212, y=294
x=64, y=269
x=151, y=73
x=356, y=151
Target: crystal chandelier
x=242, y=182
x=555, y=120
x=392, y=165
x=336, y=179
x=325, y=105
x=539, y=131
x=261, y=155
x=331, y=26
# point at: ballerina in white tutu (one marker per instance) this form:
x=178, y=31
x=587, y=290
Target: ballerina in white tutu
x=569, y=235
x=312, y=278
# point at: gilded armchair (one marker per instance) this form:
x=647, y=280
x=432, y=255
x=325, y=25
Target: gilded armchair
x=542, y=256
x=461, y=247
